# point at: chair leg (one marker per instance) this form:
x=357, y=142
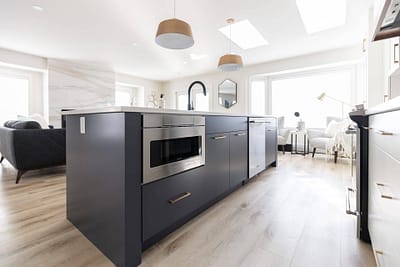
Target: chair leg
x=19, y=174
x=313, y=152
x=283, y=149
x=1, y=159
x=336, y=156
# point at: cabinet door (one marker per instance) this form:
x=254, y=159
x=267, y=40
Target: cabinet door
x=216, y=176
x=394, y=54
x=271, y=145
x=238, y=158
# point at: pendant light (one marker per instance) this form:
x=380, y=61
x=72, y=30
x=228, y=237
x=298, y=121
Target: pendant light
x=174, y=33
x=230, y=62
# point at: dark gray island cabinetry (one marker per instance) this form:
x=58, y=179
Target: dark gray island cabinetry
x=128, y=186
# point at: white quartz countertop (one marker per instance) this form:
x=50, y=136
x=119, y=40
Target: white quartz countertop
x=116, y=109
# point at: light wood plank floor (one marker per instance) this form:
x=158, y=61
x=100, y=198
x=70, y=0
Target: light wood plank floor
x=293, y=215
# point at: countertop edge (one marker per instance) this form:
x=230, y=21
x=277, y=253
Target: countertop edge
x=389, y=106
x=116, y=109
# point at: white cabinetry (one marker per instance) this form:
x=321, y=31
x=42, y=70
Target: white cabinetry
x=393, y=71
x=384, y=188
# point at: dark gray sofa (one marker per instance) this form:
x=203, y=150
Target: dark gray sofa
x=30, y=149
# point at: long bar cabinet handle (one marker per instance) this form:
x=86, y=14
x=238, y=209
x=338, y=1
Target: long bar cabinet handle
x=182, y=197
x=384, y=132
x=240, y=134
x=378, y=252
x=383, y=195
x=219, y=137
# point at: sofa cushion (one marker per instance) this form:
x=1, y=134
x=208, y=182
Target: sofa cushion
x=35, y=117
x=22, y=124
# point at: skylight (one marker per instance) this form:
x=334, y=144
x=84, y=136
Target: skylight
x=244, y=34
x=321, y=15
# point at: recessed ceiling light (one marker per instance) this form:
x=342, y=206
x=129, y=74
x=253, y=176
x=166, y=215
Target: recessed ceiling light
x=184, y=62
x=321, y=15
x=134, y=44
x=37, y=8
x=244, y=34
x=198, y=56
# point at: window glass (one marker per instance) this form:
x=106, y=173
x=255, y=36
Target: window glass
x=182, y=101
x=122, y=98
x=300, y=94
x=257, y=102
x=201, y=102
x=126, y=95
x=14, y=98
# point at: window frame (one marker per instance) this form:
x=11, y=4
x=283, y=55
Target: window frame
x=357, y=92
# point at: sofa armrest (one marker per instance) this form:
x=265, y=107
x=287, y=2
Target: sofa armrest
x=7, y=145
x=39, y=148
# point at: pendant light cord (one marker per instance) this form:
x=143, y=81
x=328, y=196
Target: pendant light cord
x=174, y=8
x=230, y=38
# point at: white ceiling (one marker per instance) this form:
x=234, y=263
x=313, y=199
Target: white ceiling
x=104, y=31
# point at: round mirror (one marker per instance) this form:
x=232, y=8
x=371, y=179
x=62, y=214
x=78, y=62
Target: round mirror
x=227, y=93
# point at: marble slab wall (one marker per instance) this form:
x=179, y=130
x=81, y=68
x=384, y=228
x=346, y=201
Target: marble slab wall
x=78, y=85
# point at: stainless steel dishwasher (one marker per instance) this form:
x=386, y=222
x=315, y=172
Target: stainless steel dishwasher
x=256, y=145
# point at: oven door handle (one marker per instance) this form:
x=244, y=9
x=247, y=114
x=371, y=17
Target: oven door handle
x=348, y=206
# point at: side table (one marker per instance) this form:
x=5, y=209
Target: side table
x=298, y=140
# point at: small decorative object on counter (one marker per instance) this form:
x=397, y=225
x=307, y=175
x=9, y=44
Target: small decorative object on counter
x=301, y=125
x=152, y=102
x=161, y=102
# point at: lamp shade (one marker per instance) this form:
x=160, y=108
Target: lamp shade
x=174, y=34
x=230, y=62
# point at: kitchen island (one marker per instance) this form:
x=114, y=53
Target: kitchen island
x=136, y=174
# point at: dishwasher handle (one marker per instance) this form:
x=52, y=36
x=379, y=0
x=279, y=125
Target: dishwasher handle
x=259, y=121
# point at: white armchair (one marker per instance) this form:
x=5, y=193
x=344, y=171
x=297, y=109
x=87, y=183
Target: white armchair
x=283, y=134
x=330, y=139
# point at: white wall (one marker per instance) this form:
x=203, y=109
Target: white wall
x=22, y=60
x=148, y=87
x=60, y=84
x=78, y=85
x=243, y=76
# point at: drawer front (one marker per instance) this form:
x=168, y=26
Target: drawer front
x=384, y=206
x=385, y=132
x=223, y=124
x=384, y=173
x=169, y=200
